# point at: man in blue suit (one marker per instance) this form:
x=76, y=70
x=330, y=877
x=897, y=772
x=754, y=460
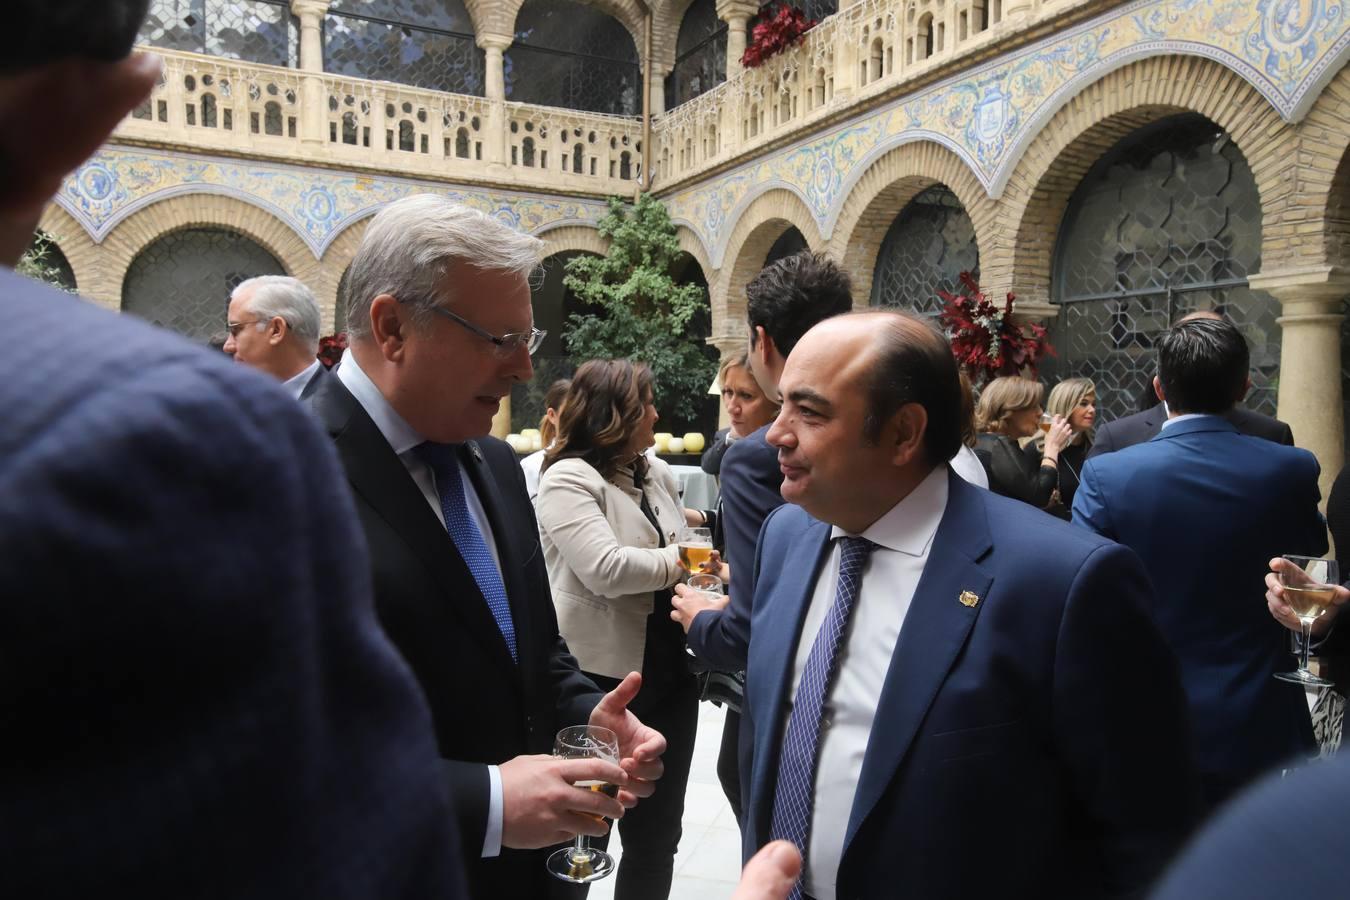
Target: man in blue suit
x=1206, y=508
x=195, y=697
x=949, y=694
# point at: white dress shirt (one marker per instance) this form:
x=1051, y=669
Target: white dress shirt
x=903, y=537
x=403, y=438
x=1179, y=417
x=296, y=384
x=966, y=464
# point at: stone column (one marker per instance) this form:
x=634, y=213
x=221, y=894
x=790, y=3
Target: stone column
x=737, y=14
x=1016, y=9
x=494, y=143
x=1310, y=359
x=311, y=13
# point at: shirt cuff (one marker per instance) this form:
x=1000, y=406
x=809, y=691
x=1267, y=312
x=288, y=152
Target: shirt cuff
x=492, y=835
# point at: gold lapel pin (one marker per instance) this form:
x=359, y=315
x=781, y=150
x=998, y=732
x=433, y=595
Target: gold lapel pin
x=969, y=598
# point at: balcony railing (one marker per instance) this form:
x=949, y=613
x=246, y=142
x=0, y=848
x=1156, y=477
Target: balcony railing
x=872, y=47
x=210, y=103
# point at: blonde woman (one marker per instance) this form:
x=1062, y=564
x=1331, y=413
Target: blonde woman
x=747, y=409
x=1009, y=410
x=1075, y=401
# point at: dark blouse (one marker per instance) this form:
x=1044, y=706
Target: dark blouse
x=1012, y=473
x=1070, y=474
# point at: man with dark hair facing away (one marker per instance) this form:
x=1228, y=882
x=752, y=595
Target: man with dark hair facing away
x=1206, y=508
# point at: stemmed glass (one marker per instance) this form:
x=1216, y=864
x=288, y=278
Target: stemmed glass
x=579, y=863
x=1309, y=586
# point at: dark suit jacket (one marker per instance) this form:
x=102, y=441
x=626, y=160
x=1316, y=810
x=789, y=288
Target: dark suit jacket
x=711, y=460
x=1031, y=745
x=1245, y=852
x=1206, y=508
x=321, y=374
x=1143, y=426
x=751, y=489
x=486, y=709
x=195, y=697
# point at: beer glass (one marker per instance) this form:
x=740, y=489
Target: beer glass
x=1045, y=423
x=580, y=863
x=707, y=584
x=695, y=549
x=1309, y=586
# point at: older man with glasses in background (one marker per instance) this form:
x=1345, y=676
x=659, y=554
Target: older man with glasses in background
x=273, y=326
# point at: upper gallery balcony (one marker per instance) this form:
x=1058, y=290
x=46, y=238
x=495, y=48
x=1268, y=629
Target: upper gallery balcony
x=546, y=94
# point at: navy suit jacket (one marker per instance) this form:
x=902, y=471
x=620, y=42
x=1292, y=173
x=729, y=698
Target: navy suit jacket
x=1031, y=745
x=195, y=697
x=485, y=708
x=1252, y=851
x=1207, y=508
x=1144, y=426
x=751, y=489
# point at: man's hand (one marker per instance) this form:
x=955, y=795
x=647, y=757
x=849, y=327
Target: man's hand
x=640, y=747
x=689, y=603
x=771, y=873
x=541, y=807
x=1285, y=616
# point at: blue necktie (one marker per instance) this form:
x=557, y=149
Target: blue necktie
x=793, y=797
x=466, y=536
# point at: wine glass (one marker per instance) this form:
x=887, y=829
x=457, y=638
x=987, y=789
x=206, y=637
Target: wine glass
x=1045, y=423
x=1309, y=586
x=695, y=548
x=580, y=863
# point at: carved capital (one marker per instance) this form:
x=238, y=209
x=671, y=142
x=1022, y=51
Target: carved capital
x=311, y=9
x=736, y=9
x=490, y=40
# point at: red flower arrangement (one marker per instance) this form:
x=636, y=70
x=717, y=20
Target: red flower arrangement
x=986, y=340
x=777, y=30
x=331, y=347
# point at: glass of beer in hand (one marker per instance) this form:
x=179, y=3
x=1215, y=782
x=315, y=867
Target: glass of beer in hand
x=579, y=863
x=1309, y=586
x=695, y=549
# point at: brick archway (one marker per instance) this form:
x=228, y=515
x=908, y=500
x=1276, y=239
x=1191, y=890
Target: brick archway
x=762, y=223
x=573, y=237
x=1103, y=113
x=884, y=190
x=84, y=256
x=147, y=225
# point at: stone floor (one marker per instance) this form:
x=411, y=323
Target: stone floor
x=709, y=862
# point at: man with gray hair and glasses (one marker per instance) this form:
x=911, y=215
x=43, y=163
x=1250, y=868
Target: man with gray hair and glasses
x=441, y=327
x=273, y=325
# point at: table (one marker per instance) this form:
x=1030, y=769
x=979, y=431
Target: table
x=698, y=489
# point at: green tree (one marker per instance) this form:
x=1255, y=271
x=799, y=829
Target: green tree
x=36, y=263
x=641, y=313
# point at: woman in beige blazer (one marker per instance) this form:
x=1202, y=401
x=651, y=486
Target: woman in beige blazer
x=610, y=519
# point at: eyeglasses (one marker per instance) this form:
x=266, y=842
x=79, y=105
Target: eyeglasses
x=507, y=344
x=235, y=327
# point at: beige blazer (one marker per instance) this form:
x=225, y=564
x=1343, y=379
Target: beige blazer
x=603, y=558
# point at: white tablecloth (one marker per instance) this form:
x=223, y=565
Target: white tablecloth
x=697, y=488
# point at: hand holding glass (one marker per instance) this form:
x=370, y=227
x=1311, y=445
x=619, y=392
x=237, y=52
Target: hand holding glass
x=695, y=548
x=579, y=863
x=1309, y=586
